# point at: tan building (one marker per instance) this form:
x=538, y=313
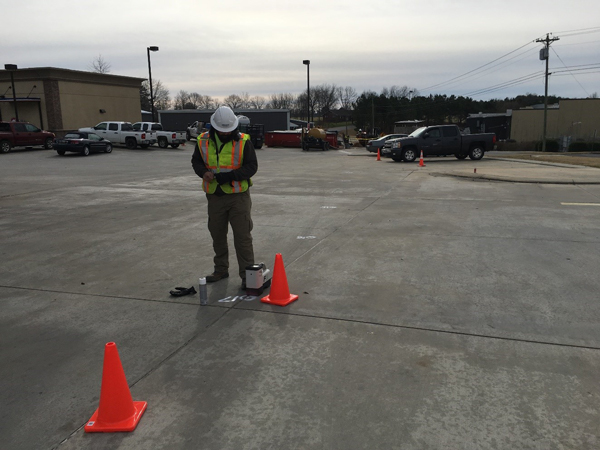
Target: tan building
x=577, y=119
x=61, y=99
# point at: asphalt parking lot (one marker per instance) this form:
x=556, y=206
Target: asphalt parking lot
x=440, y=308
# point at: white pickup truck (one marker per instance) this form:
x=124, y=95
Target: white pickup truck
x=123, y=133
x=165, y=138
x=194, y=130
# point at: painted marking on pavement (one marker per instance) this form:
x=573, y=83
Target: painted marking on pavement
x=580, y=204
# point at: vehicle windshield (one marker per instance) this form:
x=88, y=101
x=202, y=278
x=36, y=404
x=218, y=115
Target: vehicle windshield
x=417, y=132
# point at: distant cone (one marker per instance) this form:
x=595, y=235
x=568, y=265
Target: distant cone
x=280, y=292
x=378, y=155
x=421, y=162
x=117, y=410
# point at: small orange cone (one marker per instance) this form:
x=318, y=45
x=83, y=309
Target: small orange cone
x=378, y=155
x=421, y=162
x=117, y=410
x=280, y=292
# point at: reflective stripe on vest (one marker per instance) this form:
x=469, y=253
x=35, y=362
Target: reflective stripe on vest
x=230, y=158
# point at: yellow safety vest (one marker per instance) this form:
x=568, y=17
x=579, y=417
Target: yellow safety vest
x=230, y=158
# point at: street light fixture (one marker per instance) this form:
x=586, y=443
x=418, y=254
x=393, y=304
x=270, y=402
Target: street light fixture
x=151, y=49
x=307, y=63
x=12, y=68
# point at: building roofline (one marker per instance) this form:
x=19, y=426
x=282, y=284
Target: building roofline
x=56, y=73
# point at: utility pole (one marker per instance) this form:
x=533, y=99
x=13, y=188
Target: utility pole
x=373, y=116
x=545, y=55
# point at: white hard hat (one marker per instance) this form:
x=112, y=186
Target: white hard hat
x=224, y=119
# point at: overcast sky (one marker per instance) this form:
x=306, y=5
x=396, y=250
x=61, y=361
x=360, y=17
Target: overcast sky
x=221, y=47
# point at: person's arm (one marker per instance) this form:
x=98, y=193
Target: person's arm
x=248, y=169
x=199, y=166
x=198, y=162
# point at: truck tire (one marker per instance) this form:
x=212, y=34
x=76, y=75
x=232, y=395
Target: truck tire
x=325, y=146
x=460, y=156
x=476, y=153
x=174, y=145
x=162, y=142
x=4, y=146
x=130, y=143
x=409, y=154
x=48, y=143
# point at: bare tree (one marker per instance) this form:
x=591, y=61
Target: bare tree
x=234, y=101
x=257, y=102
x=181, y=100
x=206, y=102
x=161, y=95
x=347, y=96
x=282, y=101
x=245, y=97
x=398, y=92
x=194, y=100
x=100, y=65
x=323, y=98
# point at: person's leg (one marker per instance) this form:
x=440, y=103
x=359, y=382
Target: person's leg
x=241, y=224
x=218, y=225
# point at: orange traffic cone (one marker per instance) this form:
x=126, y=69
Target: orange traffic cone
x=421, y=162
x=378, y=155
x=117, y=410
x=280, y=292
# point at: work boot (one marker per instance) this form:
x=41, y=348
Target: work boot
x=216, y=276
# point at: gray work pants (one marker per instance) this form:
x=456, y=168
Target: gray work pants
x=231, y=209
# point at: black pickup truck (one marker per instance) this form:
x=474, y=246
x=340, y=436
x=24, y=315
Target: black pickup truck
x=439, y=140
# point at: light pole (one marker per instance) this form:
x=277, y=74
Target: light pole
x=307, y=63
x=12, y=68
x=151, y=49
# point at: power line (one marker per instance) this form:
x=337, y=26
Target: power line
x=571, y=71
x=474, y=70
x=572, y=31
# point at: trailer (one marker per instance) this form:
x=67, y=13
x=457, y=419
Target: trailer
x=295, y=138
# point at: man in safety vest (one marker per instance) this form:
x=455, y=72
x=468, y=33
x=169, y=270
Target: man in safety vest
x=225, y=159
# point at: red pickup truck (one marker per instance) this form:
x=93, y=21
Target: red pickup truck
x=23, y=134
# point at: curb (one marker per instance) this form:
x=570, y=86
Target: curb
x=511, y=180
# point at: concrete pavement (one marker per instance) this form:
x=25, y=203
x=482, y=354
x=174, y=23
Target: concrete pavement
x=435, y=311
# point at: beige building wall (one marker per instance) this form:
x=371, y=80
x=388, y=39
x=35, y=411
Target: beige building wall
x=579, y=119
x=70, y=99
x=28, y=111
x=82, y=104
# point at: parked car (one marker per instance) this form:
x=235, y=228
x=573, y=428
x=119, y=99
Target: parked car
x=123, y=133
x=440, y=140
x=164, y=138
x=377, y=144
x=23, y=134
x=82, y=142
